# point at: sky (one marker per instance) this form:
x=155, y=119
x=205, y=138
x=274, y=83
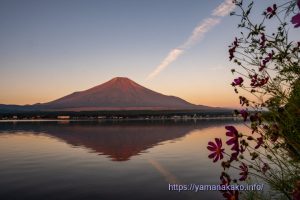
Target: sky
x=49, y=49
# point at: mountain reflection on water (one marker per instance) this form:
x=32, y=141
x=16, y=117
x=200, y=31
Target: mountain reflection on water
x=75, y=160
x=119, y=140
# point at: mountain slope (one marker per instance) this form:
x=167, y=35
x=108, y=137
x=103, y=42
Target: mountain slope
x=119, y=93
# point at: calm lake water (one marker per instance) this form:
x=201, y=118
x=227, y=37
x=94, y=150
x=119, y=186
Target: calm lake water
x=107, y=160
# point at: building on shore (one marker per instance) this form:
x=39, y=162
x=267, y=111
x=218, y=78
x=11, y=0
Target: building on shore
x=65, y=117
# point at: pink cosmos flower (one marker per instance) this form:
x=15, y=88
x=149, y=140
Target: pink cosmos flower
x=233, y=48
x=244, y=114
x=231, y=195
x=263, y=40
x=225, y=179
x=271, y=11
x=217, y=150
x=233, y=133
x=234, y=141
x=244, y=173
x=237, y=81
x=296, y=19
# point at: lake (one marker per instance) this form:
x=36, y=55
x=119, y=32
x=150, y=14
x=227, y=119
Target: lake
x=107, y=159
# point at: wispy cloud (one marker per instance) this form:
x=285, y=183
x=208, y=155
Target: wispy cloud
x=224, y=8
x=198, y=33
x=171, y=57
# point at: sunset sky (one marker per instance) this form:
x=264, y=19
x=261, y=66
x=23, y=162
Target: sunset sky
x=49, y=49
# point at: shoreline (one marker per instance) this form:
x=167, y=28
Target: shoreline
x=123, y=119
